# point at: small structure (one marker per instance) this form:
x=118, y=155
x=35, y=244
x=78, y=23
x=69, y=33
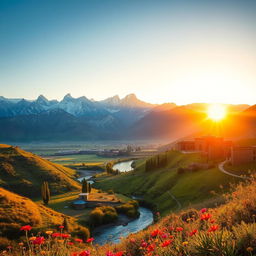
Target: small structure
x=243, y=155
x=84, y=196
x=79, y=204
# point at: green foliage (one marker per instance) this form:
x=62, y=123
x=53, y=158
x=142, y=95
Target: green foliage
x=103, y=215
x=130, y=209
x=45, y=191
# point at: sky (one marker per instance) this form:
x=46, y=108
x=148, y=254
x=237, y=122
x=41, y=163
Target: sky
x=163, y=50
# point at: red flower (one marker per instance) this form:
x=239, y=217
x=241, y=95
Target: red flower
x=56, y=234
x=89, y=240
x=179, y=229
x=70, y=243
x=132, y=240
x=166, y=243
x=119, y=253
x=75, y=254
x=65, y=235
x=171, y=228
x=85, y=253
x=193, y=232
x=39, y=240
x=155, y=233
x=203, y=210
x=206, y=216
x=61, y=227
x=212, y=221
x=144, y=244
x=164, y=235
x=26, y=228
x=78, y=240
x=213, y=228
x=150, y=248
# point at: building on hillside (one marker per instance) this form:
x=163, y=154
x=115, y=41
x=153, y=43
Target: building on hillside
x=211, y=147
x=185, y=145
x=243, y=155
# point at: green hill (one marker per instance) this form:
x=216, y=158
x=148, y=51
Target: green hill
x=23, y=172
x=160, y=185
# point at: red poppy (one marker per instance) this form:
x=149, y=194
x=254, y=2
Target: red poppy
x=193, y=232
x=171, y=228
x=78, y=240
x=155, y=233
x=150, y=248
x=85, y=253
x=213, y=228
x=166, y=243
x=144, y=244
x=70, y=243
x=89, y=240
x=206, y=216
x=179, y=229
x=65, y=235
x=203, y=210
x=61, y=227
x=56, y=234
x=26, y=228
x=132, y=240
x=164, y=235
x=39, y=240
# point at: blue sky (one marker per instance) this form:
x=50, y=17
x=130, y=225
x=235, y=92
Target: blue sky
x=164, y=51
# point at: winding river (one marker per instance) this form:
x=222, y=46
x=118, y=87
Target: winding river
x=124, y=166
x=113, y=234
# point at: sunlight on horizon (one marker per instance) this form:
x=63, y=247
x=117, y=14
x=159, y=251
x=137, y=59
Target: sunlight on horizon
x=216, y=112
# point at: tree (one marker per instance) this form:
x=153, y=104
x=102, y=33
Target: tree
x=66, y=224
x=85, y=187
x=45, y=191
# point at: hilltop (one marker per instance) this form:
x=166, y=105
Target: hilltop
x=23, y=173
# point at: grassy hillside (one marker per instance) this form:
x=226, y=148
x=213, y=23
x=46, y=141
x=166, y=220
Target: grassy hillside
x=23, y=172
x=16, y=211
x=160, y=185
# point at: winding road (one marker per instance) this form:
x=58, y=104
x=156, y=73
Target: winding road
x=222, y=169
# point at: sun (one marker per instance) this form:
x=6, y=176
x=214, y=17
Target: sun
x=217, y=112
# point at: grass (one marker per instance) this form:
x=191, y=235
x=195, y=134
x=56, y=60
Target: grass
x=156, y=186
x=23, y=172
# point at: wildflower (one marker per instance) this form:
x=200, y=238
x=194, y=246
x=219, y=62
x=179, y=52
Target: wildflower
x=56, y=234
x=213, y=228
x=164, y=235
x=70, y=243
x=119, y=253
x=85, y=253
x=132, y=240
x=78, y=240
x=171, y=228
x=185, y=243
x=166, y=243
x=155, y=233
x=193, y=232
x=26, y=228
x=60, y=241
x=21, y=244
x=150, y=248
x=90, y=240
x=39, y=240
x=203, y=210
x=32, y=238
x=61, y=227
x=171, y=237
x=48, y=232
x=144, y=244
x=179, y=229
x=212, y=221
x=65, y=235
x=249, y=249
x=206, y=216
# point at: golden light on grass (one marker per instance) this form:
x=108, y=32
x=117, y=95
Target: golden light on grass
x=216, y=112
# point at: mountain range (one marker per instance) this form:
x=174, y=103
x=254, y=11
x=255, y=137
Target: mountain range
x=113, y=118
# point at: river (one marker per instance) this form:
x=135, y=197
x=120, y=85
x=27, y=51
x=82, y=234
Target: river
x=124, y=166
x=112, y=234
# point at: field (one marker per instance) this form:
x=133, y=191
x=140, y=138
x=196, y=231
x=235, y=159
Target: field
x=161, y=185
